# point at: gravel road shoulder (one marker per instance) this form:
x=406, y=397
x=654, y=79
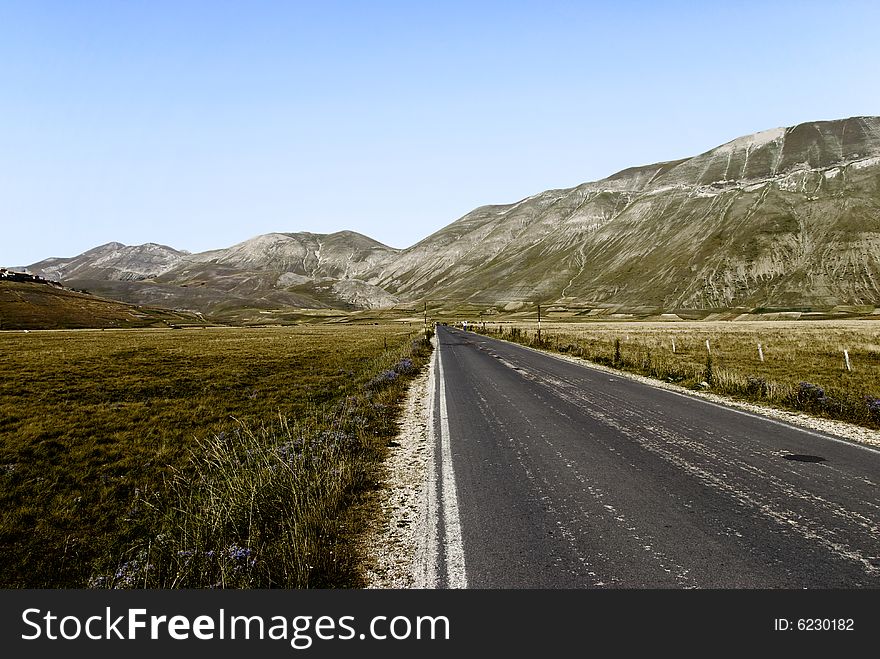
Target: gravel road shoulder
x=394, y=548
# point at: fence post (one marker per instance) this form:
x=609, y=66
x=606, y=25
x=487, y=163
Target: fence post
x=539, y=325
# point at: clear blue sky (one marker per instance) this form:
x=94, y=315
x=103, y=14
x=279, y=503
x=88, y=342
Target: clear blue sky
x=201, y=124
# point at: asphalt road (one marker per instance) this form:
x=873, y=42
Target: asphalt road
x=549, y=474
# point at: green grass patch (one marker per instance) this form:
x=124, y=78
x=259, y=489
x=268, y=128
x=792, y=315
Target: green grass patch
x=201, y=457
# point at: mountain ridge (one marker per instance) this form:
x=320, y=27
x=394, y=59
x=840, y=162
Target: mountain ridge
x=785, y=216
x=593, y=239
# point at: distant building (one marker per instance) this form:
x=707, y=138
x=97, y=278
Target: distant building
x=11, y=275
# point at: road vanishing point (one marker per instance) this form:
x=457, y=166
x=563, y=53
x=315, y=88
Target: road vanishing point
x=551, y=474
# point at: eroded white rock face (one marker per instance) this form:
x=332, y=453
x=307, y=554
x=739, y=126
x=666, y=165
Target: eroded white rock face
x=291, y=279
x=363, y=295
x=749, y=142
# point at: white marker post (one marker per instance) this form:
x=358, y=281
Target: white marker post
x=673, y=346
x=760, y=352
x=846, y=359
x=708, y=349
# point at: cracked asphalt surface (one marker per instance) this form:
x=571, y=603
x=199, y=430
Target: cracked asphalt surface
x=571, y=477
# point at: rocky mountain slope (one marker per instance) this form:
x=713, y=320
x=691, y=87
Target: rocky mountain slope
x=271, y=271
x=113, y=261
x=786, y=217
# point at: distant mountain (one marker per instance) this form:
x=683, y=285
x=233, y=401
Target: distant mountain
x=271, y=271
x=113, y=261
x=785, y=217
x=342, y=255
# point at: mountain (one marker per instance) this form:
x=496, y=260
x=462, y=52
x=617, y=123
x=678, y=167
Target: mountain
x=342, y=255
x=113, y=261
x=785, y=217
x=272, y=271
x=788, y=217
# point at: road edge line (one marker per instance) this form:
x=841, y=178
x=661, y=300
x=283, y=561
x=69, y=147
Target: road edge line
x=456, y=576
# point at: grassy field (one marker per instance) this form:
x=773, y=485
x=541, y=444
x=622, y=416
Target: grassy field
x=31, y=306
x=803, y=365
x=196, y=457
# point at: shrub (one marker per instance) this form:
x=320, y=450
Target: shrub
x=756, y=386
x=405, y=366
x=385, y=377
x=810, y=397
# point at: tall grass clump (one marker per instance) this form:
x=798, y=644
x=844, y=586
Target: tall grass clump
x=258, y=508
x=279, y=505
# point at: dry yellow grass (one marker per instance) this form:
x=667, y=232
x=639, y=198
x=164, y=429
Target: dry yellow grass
x=796, y=354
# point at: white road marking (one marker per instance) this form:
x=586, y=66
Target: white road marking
x=456, y=577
